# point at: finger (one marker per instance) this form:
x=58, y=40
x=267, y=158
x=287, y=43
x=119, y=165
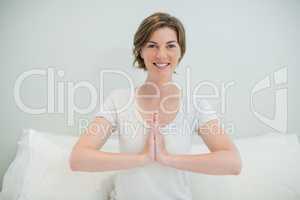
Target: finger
x=150, y=123
x=152, y=145
x=160, y=142
x=155, y=118
x=153, y=138
x=151, y=142
x=154, y=149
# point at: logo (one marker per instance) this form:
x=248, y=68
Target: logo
x=277, y=81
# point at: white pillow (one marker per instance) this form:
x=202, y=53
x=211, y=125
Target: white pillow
x=14, y=177
x=41, y=171
x=270, y=171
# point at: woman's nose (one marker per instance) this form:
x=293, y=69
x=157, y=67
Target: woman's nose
x=161, y=53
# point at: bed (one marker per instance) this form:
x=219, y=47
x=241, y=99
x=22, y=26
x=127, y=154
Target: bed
x=40, y=170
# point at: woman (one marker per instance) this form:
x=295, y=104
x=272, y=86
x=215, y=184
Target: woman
x=153, y=159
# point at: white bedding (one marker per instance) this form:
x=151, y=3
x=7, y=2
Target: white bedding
x=41, y=171
x=270, y=171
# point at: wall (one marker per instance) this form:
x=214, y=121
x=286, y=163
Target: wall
x=235, y=43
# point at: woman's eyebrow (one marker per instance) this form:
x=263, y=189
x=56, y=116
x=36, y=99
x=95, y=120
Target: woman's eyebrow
x=167, y=42
x=152, y=42
x=171, y=41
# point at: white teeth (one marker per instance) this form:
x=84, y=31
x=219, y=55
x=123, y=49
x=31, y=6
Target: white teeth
x=161, y=65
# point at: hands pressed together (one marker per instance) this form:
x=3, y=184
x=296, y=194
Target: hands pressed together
x=154, y=149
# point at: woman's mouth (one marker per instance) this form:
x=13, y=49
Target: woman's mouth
x=162, y=66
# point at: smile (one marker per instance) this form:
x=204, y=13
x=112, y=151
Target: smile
x=162, y=66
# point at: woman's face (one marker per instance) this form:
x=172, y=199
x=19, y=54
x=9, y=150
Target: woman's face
x=161, y=53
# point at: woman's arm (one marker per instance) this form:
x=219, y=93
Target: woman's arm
x=85, y=155
x=224, y=158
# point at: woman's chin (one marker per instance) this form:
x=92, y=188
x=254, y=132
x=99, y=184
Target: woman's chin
x=167, y=69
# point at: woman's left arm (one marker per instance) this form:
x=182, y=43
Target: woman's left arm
x=223, y=159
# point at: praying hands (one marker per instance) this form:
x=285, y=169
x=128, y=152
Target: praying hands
x=155, y=149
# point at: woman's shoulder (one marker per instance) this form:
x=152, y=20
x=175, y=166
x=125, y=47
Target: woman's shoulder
x=122, y=93
x=197, y=106
x=122, y=96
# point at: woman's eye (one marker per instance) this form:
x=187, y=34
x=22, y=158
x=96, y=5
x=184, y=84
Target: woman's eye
x=171, y=46
x=151, y=46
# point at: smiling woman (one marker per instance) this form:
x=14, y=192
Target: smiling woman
x=161, y=53
x=164, y=35
x=156, y=132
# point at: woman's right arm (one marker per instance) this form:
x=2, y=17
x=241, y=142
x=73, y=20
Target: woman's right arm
x=86, y=156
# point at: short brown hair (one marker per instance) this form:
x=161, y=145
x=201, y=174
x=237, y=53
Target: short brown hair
x=151, y=24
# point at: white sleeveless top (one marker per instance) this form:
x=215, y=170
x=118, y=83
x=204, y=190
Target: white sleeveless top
x=153, y=181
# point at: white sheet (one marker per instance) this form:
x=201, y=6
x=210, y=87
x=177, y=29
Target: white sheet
x=270, y=171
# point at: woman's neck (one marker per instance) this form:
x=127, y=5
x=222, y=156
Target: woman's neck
x=160, y=84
